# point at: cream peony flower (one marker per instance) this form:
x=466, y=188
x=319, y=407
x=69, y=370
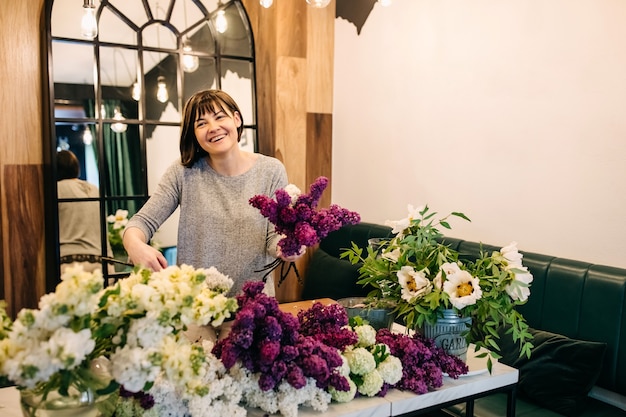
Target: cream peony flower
x=449, y=268
x=511, y=254
x=414, y=283
x=463, y=289
x=519, y=288
x=399, y=225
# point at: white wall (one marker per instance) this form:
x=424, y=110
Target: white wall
x=513, y=112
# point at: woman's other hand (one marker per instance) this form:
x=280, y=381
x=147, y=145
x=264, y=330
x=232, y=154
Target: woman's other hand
x=140, y=253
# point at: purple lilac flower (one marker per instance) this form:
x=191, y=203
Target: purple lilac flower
x=302, y=224
x=423, y=363
x=267, y=341
x=327, y=323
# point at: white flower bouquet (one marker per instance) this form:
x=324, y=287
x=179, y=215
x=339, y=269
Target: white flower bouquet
x=132, y=330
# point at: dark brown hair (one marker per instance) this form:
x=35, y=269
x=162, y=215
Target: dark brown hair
x=67, y=165
x=205, y=101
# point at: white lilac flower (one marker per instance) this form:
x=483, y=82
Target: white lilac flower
x=518, y=289
x=360, y=360
x=343, y=396
x=134, y=367
x=217, y=281
x=414, y=283
x=146, y=332
x=390, y=370
x=448, y=268
x=69, y=347
x=293, y=191
x=372, y=384
x=400, y=225
x=463, y=289
x=366, y=334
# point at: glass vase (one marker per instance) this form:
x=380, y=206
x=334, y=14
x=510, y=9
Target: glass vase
x=447, y=332
x=81, y=402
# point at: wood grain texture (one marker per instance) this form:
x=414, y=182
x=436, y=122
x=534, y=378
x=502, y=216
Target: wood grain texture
x=292, y=28
x=25, y=235
x=21, y=153
x=319, y=140
x=320, y=58
x=291, y=117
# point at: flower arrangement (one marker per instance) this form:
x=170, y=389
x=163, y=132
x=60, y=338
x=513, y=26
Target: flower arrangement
x=116, y=224
x=418, y=274
x=297, y=219
x=279, y=367
x=370, y=367
x=88, y=337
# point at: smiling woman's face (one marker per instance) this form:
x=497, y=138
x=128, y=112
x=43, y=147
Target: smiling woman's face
x=216, y=131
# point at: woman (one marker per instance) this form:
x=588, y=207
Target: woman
x=212, y=184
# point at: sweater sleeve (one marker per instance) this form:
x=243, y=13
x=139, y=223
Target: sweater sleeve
x=161, y=204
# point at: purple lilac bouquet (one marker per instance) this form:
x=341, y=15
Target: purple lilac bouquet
x=268, y=342
x=423, y=363
x=296, y=217
x=327, y=323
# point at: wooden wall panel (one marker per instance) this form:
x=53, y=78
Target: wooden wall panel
x=25, y=234
x=21, y=153
x=319, y=151
x=320, y=56
x=291, y=117
x=291, y=28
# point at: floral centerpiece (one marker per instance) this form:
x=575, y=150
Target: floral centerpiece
x=416, y=272
x=116, y=224
x=85, y=338
x=300, y=223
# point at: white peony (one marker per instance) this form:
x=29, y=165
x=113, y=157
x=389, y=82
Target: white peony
x=463, y=289
x=414, y=283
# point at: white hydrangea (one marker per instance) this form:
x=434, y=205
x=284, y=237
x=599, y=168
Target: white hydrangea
x=360, y=360
x=366, y=334
x=372, y=384
x=343, y=396
x=390, y=370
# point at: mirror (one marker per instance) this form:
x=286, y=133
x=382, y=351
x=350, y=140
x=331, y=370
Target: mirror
x=117, y=99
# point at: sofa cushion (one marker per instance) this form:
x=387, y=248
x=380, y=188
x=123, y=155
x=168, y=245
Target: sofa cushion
x=560, y=371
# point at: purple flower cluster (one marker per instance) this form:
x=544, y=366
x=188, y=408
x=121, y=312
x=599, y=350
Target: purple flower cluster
x=423, y=363
x=328, y=324
x=267, y=341
x=302, y=223
x=145, y=400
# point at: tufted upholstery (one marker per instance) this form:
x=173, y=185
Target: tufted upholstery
x=576, y=299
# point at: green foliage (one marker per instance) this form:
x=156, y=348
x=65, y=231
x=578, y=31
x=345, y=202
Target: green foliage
x=419, y=249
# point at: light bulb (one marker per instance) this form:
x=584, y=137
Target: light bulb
x=318, y=3
x=267, y=3
x=136, y=94
x=118, y=127
x=89, y=24
x=162, y=94
x=384, y=3
x=87, y=136
x=190, y=62
x=221, y=24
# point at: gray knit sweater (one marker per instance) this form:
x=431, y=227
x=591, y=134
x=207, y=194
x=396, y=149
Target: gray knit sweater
x=218, y=227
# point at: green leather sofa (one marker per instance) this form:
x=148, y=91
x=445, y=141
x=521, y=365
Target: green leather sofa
x=577, y=311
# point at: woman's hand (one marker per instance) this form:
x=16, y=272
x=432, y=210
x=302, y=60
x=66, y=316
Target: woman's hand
x=140, y=253
x=291, y=258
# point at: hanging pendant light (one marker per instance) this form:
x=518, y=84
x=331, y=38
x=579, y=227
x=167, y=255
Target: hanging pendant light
x=118, y=126
x=384, y=3
x=162, y=94
x=87, y=136
x=89, y=24
x=267, y=3
x=190, y=62
x=221, y=24
x=136, y=93
x=318, y=3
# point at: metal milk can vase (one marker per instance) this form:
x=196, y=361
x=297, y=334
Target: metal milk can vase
x=447, y=332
